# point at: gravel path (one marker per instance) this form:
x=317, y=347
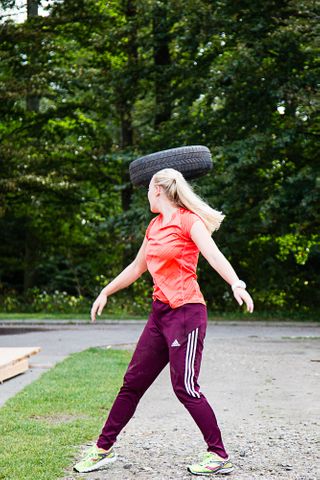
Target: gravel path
x=263, y=383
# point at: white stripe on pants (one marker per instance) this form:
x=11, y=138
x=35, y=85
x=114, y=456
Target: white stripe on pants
x=189, y=363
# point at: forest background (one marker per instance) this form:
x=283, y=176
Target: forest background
x=87, y=86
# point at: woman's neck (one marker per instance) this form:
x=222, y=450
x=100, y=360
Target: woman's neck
x=167, y=213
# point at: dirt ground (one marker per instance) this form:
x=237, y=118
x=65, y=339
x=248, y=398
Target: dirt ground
x=263, y=384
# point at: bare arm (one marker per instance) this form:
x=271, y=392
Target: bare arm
x=218, y=261
x=128, y=276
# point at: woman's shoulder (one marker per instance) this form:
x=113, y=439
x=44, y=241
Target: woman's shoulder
x=188, y=214
x=188, y=218
x=185, y=211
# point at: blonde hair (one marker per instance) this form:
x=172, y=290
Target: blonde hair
x=180, y=192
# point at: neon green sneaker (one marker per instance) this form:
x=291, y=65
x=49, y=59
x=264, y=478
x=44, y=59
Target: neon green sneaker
x=211, y=464
x=95, y=458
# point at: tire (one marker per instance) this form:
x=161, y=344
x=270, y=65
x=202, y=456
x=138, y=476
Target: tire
x=192, y=161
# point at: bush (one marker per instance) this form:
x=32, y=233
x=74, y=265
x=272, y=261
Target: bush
x=132, y=301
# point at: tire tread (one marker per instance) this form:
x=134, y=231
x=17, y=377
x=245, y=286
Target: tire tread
x=192, y=161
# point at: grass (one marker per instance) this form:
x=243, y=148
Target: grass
x=43, y=426
x=66, y=316
x=237, y=314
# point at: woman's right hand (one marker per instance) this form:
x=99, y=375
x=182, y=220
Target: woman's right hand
x=98, y=306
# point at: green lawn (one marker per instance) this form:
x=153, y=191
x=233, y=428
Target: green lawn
x=67, y=316
x=237, y=314
x=43, y=426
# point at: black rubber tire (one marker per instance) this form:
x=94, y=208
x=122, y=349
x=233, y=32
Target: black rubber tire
x=192, y=161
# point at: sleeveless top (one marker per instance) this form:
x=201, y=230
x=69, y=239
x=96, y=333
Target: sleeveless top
x=172, y=257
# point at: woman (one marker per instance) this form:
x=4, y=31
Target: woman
x=177, y=323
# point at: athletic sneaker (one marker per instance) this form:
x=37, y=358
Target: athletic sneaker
x=95, y=458
x=211, y=464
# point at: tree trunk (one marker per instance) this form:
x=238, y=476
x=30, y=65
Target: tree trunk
x=31, y=253
x=128, y=99
x=126, y=103
x=162, y=61
x=32, y=8
x=30, y=260
x=33, y=101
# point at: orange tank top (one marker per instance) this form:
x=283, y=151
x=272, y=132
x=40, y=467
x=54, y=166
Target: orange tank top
x=172, y=257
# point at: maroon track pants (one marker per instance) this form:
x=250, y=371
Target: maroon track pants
x=175, y=336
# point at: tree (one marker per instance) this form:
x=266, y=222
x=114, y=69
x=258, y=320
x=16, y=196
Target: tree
x=109, y=82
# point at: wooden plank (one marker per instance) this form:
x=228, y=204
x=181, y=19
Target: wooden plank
x=9, y=355
x=14, y=361
x=10, y=371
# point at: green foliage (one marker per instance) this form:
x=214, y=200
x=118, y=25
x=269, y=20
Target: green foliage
x=92, y=86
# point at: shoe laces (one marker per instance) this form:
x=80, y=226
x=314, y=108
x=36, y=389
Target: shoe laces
x=93, y=452
x=211, y=456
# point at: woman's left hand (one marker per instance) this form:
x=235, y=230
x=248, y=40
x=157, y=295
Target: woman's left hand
x=241, y=295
